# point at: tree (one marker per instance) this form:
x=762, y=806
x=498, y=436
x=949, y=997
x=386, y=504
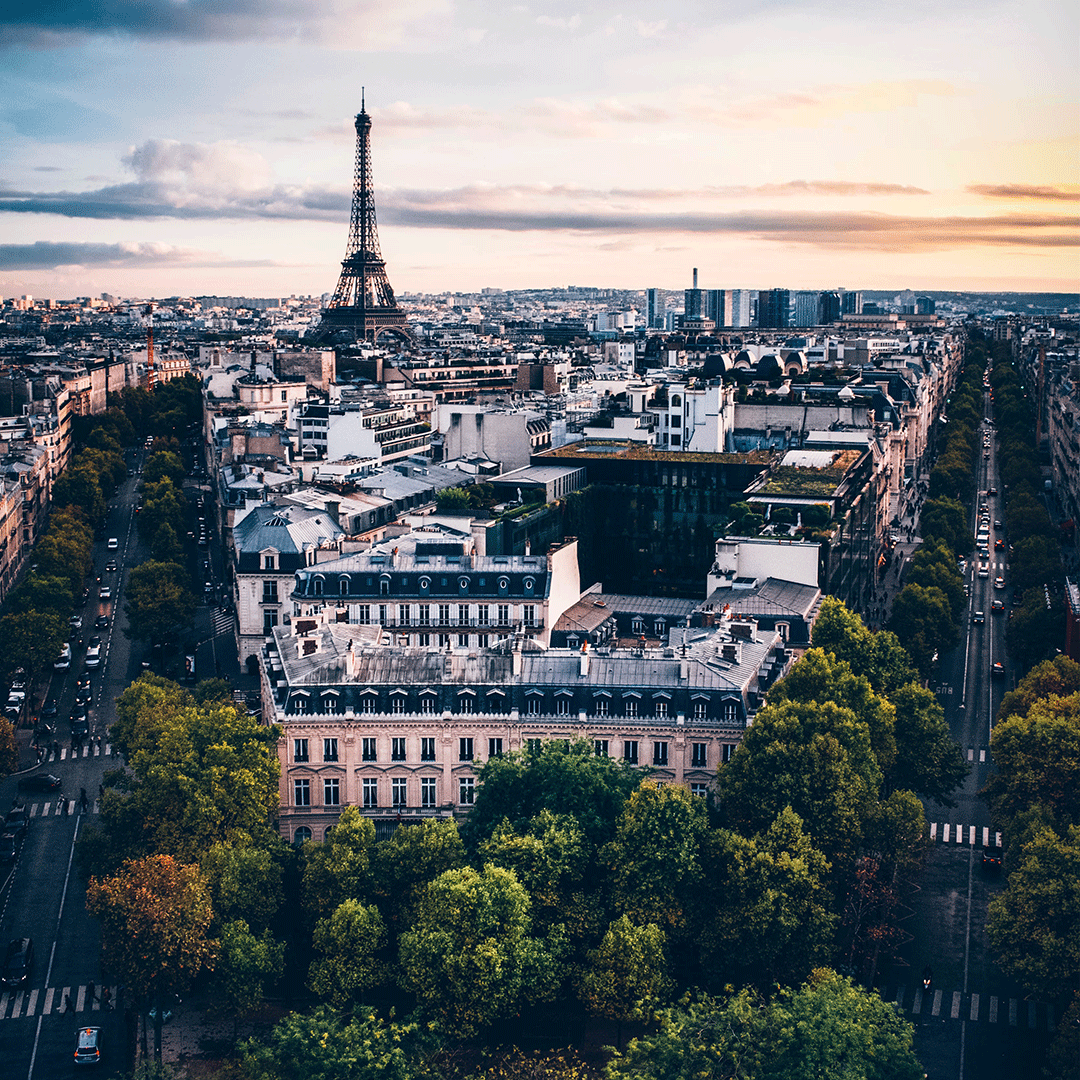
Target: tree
x=1035, y=923
x=627, y=975
x=768, y=910
x=1038, y=760
x=339, y=868
x=935, y=566
x=654, y=858
x=928, y=760
x=1035, y=629
x=517, y=786
x=159, y=602
x=154, y=917
x=878, y=656
x=143, y=709
x=346, y=945
x=1036, y=561
x=470, y=958
x=165, y=547
x=30, y=640
x=827, y=1028
x=9, y=748
x=946, y=519
x=43, y=593
x=78, y=485
x=245, y=883
x=324, y=1046
x=246, y=966
x=164, y=464
x=922, y=619
x=1060, y=676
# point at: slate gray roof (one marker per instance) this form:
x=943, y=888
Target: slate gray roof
x=772, y=597
x=289, y=529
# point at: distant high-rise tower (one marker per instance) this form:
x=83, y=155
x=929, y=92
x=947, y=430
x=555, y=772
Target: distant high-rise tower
x=693, y=301
x=363, y=301
x=655, y=307
x=774, y=308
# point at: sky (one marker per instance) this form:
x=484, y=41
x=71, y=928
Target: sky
x=187, y=147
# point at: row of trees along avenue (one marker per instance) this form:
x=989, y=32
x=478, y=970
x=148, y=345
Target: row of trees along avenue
x=575, y=882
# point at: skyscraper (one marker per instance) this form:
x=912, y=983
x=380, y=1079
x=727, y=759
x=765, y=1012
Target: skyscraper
x=774, y=308
x=654, y=309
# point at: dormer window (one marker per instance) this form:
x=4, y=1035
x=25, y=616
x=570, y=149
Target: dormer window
x=269, y=562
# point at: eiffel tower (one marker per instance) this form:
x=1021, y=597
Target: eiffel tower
x=363, y=301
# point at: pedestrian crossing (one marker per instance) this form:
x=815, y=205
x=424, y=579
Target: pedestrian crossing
x=947, y=832
x=86, y=750
x=945, y=1005
x=980, y=754
x=57, y=1000
x=55, y=808
x=222, y=622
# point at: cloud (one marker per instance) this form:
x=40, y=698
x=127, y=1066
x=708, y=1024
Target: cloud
x=46, y=255
x=1026, y=191
x=364, y=24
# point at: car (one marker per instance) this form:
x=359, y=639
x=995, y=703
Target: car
x=997, y=669
x=993, y=491
x=88, y=1046
x=83, y=694
x=993, y=853
x=44, y=782
x=997, y=524
x=75, y=622
x=203, y=541
x=997, y=607
x=962, y=564
x=101, y=622
x=104, y=593
x=17, y=821
x=18, y=961
x=13, y=706
x=999, y=582
x=111, y=567
x=999, y=544
x=50, y=710
x=63, y=661
x=113, y=544
x=80, y=727
x=9, y=848
x=93, y=653
x=984, y=571
x=978, y=618
x=138, y=508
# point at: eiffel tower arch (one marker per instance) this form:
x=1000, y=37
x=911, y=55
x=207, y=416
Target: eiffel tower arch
x=363, y=302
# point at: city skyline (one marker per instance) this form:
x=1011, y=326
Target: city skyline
x=161, y=150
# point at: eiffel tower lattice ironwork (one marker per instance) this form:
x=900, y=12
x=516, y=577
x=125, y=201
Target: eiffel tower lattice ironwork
x=363, y=301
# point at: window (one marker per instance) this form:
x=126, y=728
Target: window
x=331, y=791
x=729, y=749
x=423, y=640
x=483, y=617
x=637, y=625
x=425, y=615
x=700, y=710
x=300, y=703
x=483, y=640
x=269, y=562
x=463, y=614
x=330, y=703
x=301, y=792
x=494, y=748
x=659, y=753
x=465, y=703
x=444, y=641
x=382, y=614
x=528, y=614
x=562, y=705
x=398, y=788
x=367, y=748
x=700, y=790
x=600, y=706
x=299, y=750
x=427, y=791
x=427, y=703
x=659, y=628
x=463, y=641
x=444, y=614
x=504, y=614
x=661, y=710
x=397, y=749
x=465, y=749
x=700, y=755
x=466, y=790
x=329, y=750
x=367, y=703
x=363, y=614
x=370, y=791
x=730, y=712
x=397, y=704
x=269, y=592
x=630, y=707
x=403, y=614
x=532, y=705
x=427, y=749
x=269, y=621
x=629, y=751
x=600, y=747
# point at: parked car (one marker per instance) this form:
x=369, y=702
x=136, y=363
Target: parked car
x=18, y=961
x=9, y=848
x=39, y=782
x=17, y=821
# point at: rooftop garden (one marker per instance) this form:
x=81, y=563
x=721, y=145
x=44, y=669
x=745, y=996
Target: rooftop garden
x=805, y=481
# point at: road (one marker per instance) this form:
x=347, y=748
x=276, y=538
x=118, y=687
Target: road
x=43, y=896
x=976, y=1022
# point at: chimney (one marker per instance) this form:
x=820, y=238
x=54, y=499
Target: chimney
x=684, y=666
x=332, y=508
x=350, y=662
x=516, y=656
x=695, y=277
x=584, y=670
x=744, y=630
x=730, y=652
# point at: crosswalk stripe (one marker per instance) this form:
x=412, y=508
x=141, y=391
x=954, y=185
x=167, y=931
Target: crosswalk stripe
x=982, y=757
x=971, y=753
x=17, y=1011
x=1012, y=1012
x=80, y=999
x=933, y=830
x=993, y=1009
x=974, y=1007
x=3, y=1004
x=900, y=996
x=31, y=1007
x=24, y=1003
x=47, y=1008
x=954, y=1013
x=945, y=832
x=936, y=1009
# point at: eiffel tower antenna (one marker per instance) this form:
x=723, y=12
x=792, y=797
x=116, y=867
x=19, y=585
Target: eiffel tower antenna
x=363, y=301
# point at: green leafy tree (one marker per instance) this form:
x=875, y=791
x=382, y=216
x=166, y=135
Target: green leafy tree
x=30, y=640
x=654, y=858
x=339, y=869
x=43, y=593
x=1034, y=631
x=878, y=656
x=1035, y=923
x=935, y=566
x=322, y=1045
x=247, y=965
x=164, y=464
x=245, y=883
x=928, y=760
x=627, y=975
x=165, y=547
x=471, y=958
x=1038, y=760
x=143, y=709
x=159, y=604
x=154, y=915
x=346, y=953
x=79, y=486
x=1035, y=562
x=9, y=749
x=946, y=519
x=1060, y=676
x=518, y=786
x=768, y=909
x=922, y=619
